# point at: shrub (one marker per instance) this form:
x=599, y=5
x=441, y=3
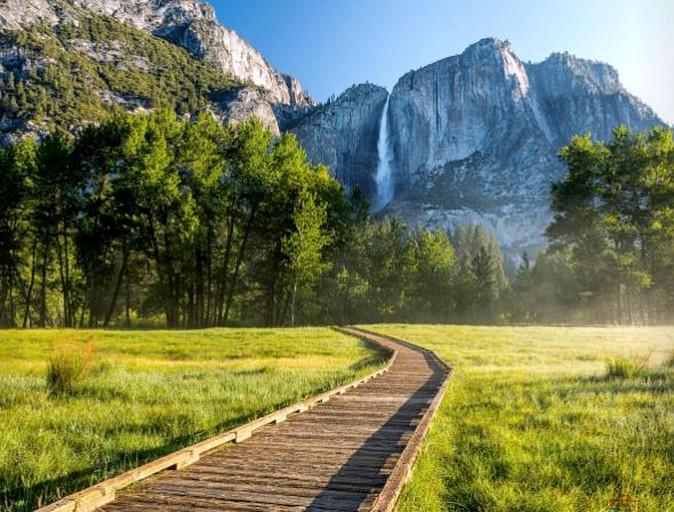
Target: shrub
x=68, y=368
x=669, y=360
x=627, y=367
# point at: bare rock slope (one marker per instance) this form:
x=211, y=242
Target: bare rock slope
x=475, y=137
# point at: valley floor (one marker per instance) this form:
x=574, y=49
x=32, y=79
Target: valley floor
x=148, y=393
x=531, y=422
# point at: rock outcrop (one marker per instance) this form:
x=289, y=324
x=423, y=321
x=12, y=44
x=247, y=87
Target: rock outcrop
x=579, y=96
x=188, y=23
x=475, y=137
x=342, y=134
x=17, y=14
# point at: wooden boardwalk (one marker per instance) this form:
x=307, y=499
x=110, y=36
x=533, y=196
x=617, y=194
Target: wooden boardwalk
x=352, y=453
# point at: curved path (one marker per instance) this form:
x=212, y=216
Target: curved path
x=351, y=453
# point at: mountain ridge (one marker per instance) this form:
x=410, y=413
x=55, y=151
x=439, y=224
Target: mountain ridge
x=475, y=137
x=190, y=24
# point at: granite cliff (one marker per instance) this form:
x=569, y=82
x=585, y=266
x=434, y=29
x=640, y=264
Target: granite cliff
x=342, y=134
x=475, y=137
x=89, y=57
x=190, y=24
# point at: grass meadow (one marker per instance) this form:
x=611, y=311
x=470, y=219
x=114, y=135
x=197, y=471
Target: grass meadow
x=146, y=394
x=538, y=419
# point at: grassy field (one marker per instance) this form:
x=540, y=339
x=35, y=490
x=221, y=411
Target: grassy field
x=148, y=393
x=532, y=422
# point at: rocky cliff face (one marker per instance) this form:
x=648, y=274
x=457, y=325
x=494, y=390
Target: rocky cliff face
x=579, y=96
x=475, y=137
x=190, y=24
x=477, y=106
x=343, y=135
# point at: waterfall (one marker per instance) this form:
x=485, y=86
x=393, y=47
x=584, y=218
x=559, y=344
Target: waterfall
x=384, y=176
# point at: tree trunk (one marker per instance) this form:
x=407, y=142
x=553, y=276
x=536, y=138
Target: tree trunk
x=118, y=286
x=222, y=287
x=292, y=304
x=127, y=302
x=209, y=279
x=12, y=312
x=4, y=287
x=237, y=267
x=71, y=298
x=198, y=320
x=29, y=293
x=64, y=284
x=43, y=291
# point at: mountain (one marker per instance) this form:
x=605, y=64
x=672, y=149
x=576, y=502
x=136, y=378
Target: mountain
x=65, y=62
x=343, y=133
x=475, y=137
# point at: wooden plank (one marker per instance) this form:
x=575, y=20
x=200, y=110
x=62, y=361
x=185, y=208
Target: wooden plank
x=386, y=500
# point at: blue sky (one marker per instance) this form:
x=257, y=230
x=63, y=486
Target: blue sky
x=331, y=44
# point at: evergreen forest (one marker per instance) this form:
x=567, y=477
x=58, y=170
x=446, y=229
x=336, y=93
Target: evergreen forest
x=153, y=219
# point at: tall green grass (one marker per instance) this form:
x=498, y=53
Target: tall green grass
x=146, y=394
x=535, y=420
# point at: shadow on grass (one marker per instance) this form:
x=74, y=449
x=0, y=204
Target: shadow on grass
x=22, y=498
x=651, y=381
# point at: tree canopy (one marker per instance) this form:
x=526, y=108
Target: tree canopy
x=153, y=219
x=614, y=227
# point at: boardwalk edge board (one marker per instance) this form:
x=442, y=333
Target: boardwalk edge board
x=402, y=472
x=105, y=492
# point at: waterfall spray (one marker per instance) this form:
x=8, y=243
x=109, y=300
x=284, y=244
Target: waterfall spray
x=384, y=176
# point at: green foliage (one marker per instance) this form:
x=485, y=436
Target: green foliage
x=149, y=214
x=433, y=295
x=75, y=74
x=624, y=367
x=389, y=272
x=303, y=248
x=613, y=213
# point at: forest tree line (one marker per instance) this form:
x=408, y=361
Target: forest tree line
x=151, y=219
x=611, y=244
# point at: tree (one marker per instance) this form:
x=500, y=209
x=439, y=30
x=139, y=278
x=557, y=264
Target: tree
x=103, y=236
x=481, y=280
x=165, y=217
x=437, y=269
x=546, y=292
x=614, y=211
x=304, y=247
x=16, y=164
x=203, y=163
x=253, y=185
x=55, y=202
